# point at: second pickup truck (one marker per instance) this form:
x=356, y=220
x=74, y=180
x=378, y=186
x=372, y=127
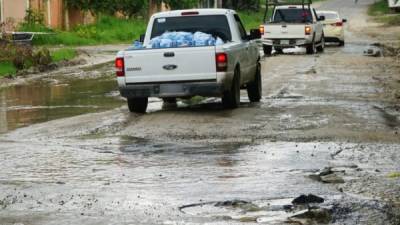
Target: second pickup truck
x=291, y=26
x=182, y=72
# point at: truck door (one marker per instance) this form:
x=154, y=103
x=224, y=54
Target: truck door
x=318, y=26
x=245, y=61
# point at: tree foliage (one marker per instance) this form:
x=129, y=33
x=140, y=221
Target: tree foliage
x=127, y=7
x=132, y=7
x=241, y=4
x=181, y=4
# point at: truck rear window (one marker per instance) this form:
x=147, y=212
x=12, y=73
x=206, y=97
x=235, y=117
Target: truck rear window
x=292, y=16
x=216, y=25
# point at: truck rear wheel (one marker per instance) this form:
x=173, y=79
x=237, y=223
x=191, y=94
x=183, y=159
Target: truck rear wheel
x=321, y=47
x=137, y=105
x=254, y=89
x=311, y=49
x=267, y=49
x=231, y=98
x=279, y=50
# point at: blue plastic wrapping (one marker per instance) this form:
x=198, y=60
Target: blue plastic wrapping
x=137, y=45
x=184, y=39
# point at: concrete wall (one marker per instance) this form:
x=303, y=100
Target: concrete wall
x=55, y=14
x=13, y=9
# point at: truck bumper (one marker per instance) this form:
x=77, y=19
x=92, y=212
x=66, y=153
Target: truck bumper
x=285, y=43
x=189, y=89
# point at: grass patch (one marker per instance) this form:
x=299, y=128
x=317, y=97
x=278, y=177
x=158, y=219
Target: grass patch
x=63, y=54
x=390, y=20
x=394, y=175
x=7, y=68
x=107, y=30
x=382, y=13
x=379, y=8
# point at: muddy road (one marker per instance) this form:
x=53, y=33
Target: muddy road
x=328, y=125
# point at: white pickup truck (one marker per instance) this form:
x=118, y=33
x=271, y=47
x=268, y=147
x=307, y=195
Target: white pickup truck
x=293, y=25
x=184, y=72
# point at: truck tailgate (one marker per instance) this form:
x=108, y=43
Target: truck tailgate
x=284, y=31
x=170, y=64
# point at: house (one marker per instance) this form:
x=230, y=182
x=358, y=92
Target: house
x=56, y=15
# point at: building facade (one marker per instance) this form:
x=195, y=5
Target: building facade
x=56, y=15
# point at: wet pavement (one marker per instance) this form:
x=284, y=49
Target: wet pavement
x=328, y=125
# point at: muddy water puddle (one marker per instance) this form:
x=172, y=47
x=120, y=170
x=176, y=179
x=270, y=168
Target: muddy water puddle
x=50, y=99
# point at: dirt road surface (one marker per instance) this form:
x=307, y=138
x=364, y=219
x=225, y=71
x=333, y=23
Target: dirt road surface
x=328, y=125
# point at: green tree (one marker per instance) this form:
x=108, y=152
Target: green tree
x=110, y=7
x=181, y=4
x=131, y=7
x=253, y=5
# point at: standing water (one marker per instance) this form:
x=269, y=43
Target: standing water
x=46, y=100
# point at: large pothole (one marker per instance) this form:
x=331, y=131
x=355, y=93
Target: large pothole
x=337, y=209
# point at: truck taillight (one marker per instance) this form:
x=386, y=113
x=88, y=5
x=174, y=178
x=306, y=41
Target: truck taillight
x=120, y=67
x=222, y=62
x=307, y=30
x=262, y=29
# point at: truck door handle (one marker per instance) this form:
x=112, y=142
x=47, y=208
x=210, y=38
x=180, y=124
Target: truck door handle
x=169, y=54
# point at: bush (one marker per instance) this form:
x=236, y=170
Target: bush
x=63, y=54
x=106, y=30
x=19, y=55
x=42, y=57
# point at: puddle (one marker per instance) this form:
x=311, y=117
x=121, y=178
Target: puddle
x=51, y=99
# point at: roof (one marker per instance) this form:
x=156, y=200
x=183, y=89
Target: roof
x=200, y=11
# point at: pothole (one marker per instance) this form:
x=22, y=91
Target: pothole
x=271, y=211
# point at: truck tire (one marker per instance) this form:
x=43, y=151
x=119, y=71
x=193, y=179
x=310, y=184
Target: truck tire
x=231, y=98
x=321, y=46
x=279, y=50
x=169, y=103
x=311, y=49
x=267, y=49
x=137, y=105
x=254, y=89
x=341, y=43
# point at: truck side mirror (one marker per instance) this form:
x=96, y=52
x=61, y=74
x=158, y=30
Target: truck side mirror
x=321, y=18
x=255, y=34
x=141, y=39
